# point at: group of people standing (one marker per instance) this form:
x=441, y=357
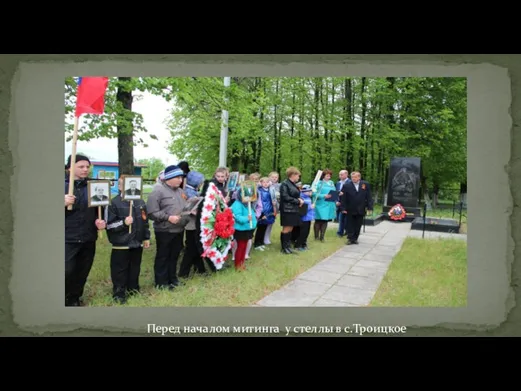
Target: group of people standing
x=128, y=224
x=300, y=205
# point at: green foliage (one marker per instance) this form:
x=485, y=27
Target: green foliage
x=153, y=167
x=221, y=243
x=315, y=123
x=312, y=123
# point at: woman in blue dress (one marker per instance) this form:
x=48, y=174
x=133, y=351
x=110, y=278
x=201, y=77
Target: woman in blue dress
x=325, y=210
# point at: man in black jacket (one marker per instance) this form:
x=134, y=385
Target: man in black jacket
x=128, y=233
x=81, y=232
x=355, y=200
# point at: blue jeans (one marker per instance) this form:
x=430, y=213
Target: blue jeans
x=342, y=229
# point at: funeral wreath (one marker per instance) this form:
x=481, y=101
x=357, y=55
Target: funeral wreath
x=217, y=227
x=397, y=212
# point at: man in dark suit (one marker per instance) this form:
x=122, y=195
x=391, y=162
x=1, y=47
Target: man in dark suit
x=355, y=200
x=98, y=195
x=343, y=178
x=133, y=190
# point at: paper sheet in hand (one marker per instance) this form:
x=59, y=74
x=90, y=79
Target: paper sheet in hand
x=191, y=205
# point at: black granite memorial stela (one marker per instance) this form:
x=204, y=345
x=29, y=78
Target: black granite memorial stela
x=404, y=185
x=404, y=181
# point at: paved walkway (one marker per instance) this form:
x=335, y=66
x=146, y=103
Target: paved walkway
x=351, y=276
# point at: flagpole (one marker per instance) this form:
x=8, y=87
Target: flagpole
x=73, y=157
x=90, y=99
x=223, y=151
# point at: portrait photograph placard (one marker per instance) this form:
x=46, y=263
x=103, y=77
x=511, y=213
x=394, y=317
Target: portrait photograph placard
x=191, y=205
x=132, y=187
x=248, y=191
x=99, y=193
x=233, y=180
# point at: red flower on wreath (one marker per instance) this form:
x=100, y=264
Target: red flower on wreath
x=224, y=223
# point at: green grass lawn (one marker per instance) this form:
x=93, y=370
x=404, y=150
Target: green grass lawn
x=426, y=273
x=266, y=271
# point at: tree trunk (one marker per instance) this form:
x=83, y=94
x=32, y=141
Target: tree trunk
x=125, y=131
x=348, y=131
x=361, y=160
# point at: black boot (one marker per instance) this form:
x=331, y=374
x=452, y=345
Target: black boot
x=316, y=229
x=119, y=294
x=285, y=243
x=72, y=301
x=323, y=229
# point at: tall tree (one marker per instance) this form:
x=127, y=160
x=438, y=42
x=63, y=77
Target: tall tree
x=119, y=120
x=314, y=123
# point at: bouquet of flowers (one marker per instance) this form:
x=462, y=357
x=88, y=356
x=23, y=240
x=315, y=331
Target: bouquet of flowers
x=397, y=212
x=217, y=226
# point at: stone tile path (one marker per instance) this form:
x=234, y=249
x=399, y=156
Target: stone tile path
x=351, y=276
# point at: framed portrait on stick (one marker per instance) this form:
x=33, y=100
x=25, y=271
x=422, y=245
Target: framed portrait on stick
x=132, y=190
x=248, y=191
x=98, y=195
x=233, y=180
x=249, y=194
x=132, y=187
x=191, y=205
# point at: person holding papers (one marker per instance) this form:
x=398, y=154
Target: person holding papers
x=325, y=209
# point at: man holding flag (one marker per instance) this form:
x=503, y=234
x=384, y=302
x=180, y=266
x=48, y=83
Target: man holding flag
x=81, y=222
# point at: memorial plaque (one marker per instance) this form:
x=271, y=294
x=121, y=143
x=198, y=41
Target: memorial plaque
x=404, y=181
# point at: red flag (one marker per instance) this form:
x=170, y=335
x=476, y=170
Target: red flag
x=90, y=98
